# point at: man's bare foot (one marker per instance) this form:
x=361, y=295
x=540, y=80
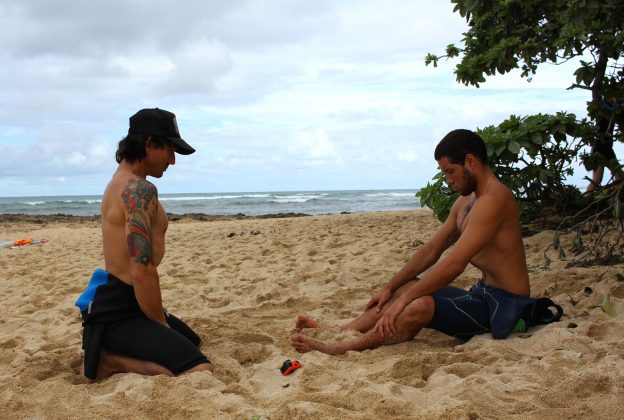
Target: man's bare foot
x=111, y=363
x=199, y=368
x=304, y=344
x=304, y=321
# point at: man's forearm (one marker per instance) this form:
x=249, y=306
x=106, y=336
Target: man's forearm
x=147, y=292
x=440, y=276
x=418, y=263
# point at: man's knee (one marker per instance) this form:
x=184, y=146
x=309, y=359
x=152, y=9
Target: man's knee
x=419, y=311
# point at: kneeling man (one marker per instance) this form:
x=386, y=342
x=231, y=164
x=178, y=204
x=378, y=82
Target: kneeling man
x=126, y=328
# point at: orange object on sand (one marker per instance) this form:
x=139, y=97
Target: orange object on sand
x=289, y=367
x=24, y=241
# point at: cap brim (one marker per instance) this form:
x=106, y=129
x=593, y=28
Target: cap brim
x=182, y=147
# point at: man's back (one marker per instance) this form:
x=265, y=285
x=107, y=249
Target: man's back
x=115, y=230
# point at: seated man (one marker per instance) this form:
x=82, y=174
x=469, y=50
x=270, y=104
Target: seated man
x=484, y=227
x=126, y=328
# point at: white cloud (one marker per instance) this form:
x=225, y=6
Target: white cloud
x=76, y=159
x=408, y=156
x=313, y=146
x=197, y=67
x=273, y=95
x=152, y=67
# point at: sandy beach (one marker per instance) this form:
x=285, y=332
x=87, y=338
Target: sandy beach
x=240, y=283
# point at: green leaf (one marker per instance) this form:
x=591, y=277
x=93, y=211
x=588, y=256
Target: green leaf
x=544, y=174
x=537, y=138
x=513, y=147
x=430, y=58
x=499, y=148
x=607, y=307
x=452, y=51
x=470, y=5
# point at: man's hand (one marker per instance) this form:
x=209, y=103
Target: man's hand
x=379, y=298
x=386, y=326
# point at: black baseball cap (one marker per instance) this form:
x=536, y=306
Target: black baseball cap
x=160, y=123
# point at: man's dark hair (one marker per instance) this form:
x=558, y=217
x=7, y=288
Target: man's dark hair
x=458, y=143
x=132, y=147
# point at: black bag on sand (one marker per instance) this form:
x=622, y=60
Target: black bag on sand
x=538, y=312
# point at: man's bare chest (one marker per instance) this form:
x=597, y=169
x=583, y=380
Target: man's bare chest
x=463, y=215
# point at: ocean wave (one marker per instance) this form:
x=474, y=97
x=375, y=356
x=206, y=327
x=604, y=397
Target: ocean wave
x=391, y=194
x=52, y=202
x=198, y=198
x=284, y=200
x=213, y=197
x=76, y=201
x=299, y=198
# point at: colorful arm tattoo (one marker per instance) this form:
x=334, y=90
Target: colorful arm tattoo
x=140, y=201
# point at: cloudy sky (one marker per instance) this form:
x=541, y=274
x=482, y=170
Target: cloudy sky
x=275, y=95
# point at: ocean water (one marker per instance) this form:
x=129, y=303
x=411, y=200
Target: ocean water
x=250, y=204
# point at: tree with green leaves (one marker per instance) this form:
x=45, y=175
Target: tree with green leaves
x=509, y=34
x=535, y=154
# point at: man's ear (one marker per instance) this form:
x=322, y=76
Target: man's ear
x=149, y=143
x=469, y=161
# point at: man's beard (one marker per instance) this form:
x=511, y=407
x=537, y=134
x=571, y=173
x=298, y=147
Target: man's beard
x=469, y=181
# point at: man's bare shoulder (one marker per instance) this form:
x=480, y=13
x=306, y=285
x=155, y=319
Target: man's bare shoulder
x=140, y=193
x=502, y=190
x=134, y=191
x=495, y=207
x=128, y=192
x=136, y=182
x=504, y=198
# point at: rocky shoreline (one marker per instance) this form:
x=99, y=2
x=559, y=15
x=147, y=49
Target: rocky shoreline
x=68, y=218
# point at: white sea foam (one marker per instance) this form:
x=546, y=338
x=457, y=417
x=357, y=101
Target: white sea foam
x=391, y=194
x=212, y=197
x=283, y=200
x=199, y=198
x=299, y=198
x=86, y=201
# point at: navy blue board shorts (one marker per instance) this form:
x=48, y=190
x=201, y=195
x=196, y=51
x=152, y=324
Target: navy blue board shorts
x=113, y=320
x=465, y=313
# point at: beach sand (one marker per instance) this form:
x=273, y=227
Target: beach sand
x=240, y=283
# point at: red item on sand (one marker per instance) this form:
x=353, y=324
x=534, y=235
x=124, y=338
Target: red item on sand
x=289, y=367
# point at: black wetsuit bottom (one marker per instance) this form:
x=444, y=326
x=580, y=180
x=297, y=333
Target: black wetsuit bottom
x=175, y=348
x=113, y=320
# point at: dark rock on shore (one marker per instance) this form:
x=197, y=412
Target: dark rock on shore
x=68, y=218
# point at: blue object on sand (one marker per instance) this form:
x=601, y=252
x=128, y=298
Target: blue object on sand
x=98, y=278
